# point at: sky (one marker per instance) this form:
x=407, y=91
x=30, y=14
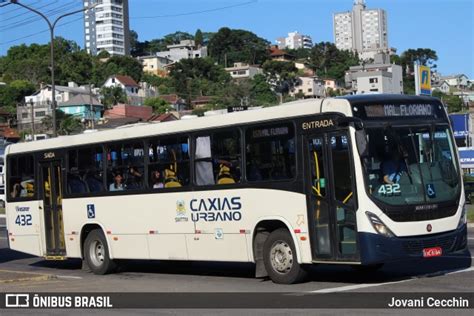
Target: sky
x=446, y=26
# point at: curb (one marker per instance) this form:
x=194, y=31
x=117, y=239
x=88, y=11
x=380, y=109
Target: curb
x=36, y=277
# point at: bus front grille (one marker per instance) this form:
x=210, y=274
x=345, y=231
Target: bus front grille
x=415, y=247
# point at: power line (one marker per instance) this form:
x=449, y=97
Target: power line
x=43, y=31
x=26, y=12
x=13, y=10
x=146, y=17
x=35, y=18
x=195, y=12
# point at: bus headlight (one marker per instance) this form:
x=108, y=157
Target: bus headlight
x=463, y=219
x=378, y=225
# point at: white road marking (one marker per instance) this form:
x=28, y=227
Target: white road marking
x=356, y=286
x=460, y=271
x=68, y=277
x=366, y=285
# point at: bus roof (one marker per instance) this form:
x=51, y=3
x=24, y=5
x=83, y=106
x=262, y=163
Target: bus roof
x=386, y=98
x=287, y=110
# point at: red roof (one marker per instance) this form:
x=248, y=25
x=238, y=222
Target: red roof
x=126, y=81
x=170, y=98
x=162, y=117
x=9, y=133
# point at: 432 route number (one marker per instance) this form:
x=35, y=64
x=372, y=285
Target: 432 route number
x=23, y=220
x=390, y=189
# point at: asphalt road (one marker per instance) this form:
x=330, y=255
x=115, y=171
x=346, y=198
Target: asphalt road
x=453, y=273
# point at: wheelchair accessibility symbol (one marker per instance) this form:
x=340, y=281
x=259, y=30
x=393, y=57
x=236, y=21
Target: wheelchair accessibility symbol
x=430, y=190
x=90, y=211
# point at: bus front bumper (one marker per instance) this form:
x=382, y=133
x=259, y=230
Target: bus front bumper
x=376, y=248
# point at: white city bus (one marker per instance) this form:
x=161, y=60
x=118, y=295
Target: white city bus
x=360, y=180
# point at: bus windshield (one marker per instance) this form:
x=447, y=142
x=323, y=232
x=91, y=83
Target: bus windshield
x=411, y=165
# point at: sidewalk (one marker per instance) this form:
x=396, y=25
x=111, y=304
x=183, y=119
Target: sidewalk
x=7, y=276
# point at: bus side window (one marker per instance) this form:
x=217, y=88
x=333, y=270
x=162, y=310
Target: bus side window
x=21, y=178
x=168, y=162
x=270, y=152
x=126, y=160
x=218, y=158
x=85, y=170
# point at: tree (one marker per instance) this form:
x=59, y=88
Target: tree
x=103, y=54
x=453, y=102
x=159, y=105
x=300, y=53
x=14, y=93
x=112, y=96
x=118, y=65
x=198, y=77
x=70, y=125
x=282, y=75
x=423, y=56
x=229, y=46
x=198, y=38
x=134, y=43
x=328, y=61
x=67, y=123
x=262, y=94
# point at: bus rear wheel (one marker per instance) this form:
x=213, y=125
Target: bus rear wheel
x=96, y=253
x=279, y=258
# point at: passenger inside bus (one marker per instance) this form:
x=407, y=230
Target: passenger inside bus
x=16, y=189
x=117, y=185
x=75, y=182
x=134, y=179
x=393, y=167
x=156, y=181
x=94, y=182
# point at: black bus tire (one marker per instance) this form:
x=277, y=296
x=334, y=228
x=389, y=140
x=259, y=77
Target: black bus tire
x=279, y=258
x=96, y=253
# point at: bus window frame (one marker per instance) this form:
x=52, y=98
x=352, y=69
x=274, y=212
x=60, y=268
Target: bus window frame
x=204, y=133
x=35, y=196
x=66, y=168
x=444, y=206
x=296, y=137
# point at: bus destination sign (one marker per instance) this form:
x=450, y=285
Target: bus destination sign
x=399, y=110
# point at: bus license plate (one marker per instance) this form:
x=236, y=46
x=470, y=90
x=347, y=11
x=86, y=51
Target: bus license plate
x=432, y=252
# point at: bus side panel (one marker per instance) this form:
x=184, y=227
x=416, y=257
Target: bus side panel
x=24, y=224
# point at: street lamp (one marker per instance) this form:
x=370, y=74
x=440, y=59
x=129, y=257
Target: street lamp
x=51, y=30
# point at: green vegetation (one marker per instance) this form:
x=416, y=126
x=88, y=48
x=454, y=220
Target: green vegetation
x=423, y=56
x=229, y=46
x=112, y=96
x=470, y=213
x=31, y=63
x=159, y=105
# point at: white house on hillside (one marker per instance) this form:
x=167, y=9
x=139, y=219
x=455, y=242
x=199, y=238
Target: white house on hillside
x=309, y=87
x=458, y=80
x=442, y=86
x=184, y=50
x=130, y=87
x=39, y=103
x=243, y=71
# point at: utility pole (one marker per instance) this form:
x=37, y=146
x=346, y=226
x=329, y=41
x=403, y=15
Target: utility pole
x=51, y=31
x=32, y=119
x=91, y=107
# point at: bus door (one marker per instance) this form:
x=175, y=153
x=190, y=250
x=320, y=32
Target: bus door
x=53, y=212
x=331, y=197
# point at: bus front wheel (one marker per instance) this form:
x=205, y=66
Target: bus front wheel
x=279, y=257
x=96, y=253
